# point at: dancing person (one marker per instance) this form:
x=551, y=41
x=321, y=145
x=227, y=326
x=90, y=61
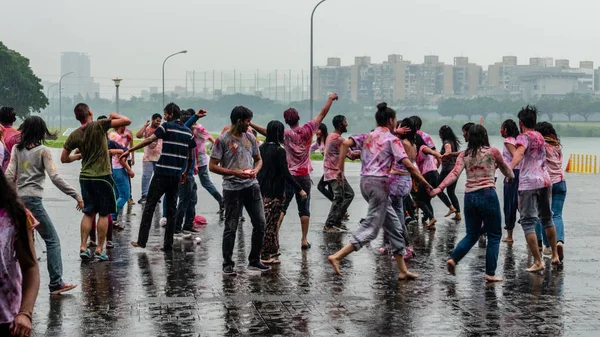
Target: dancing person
x=4, y=154
x=535, y=186
x=510, y=131
x=343, y=194
x=7, y=117
x=177, y=151
x=425, y=136
x=319, y=146
x=237, y=158
x=408, y=139
x=97, y=185
x=272, y=179
x=122, y=174
x=29, y=164
x=19, y=270
x=428, y=161
x=554, y=159
x=151, y=153
x=450, y=144
x=297, y=142
x=380, y=149
x=480, y=161
x=128, y=135
x=201, y=135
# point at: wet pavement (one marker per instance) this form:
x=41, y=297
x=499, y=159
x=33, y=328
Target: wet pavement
x=183, y=293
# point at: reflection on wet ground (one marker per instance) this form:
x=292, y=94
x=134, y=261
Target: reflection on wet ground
x=183, y=293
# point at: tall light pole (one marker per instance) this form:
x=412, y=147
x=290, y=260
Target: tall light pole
x=48, y=96
x=163, y=73
x=117, y=84
x=60, y=101
x=311, y=57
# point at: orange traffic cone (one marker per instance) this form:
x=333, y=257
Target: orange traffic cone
x=568, y=169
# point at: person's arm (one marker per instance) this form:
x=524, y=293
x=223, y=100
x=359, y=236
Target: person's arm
x=517, y=157
x=259, y=129
x=188, y=165
x=129, y=145
x=66, y=156
x=502, y=164
x=140, y=145
x=116, y=121
x=140, y=133
x=348, y=143
x=11, y=169
x=199, y=114
x=115, y=152
x=25, y=252
x=452, y=176
x=414, y=172
x=215, y=159
x=56, y=178
x=325, y=109
x=125, y=164
x=314, y=147
x=434, y=153
x=511, y=148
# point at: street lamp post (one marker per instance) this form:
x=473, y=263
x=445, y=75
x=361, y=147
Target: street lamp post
x=163, y=73
x=311, y=57
x=60, y=101
x=48, y=96
x=117, y=84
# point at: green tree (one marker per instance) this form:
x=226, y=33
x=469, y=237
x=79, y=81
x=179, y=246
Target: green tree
x=19, y=87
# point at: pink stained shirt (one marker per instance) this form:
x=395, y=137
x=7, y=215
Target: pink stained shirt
x=297, y=142
x=201, y=135
x=426, y=162
x=122, y=140
x=153, y=150
x=506, y=154
x=534, y=173
x=379, y=149
x=480, y=169
x=316, y=147
x=332, y=156
x=10, y=272
x=554, y=161
x=427, y=139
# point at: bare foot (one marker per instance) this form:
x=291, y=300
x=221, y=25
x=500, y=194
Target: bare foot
x=508, y=239
x=269, y=261
x=431, y=224
x=457, y=217
x=556, y=260
x=561, y=251
x=335, y=264
x=451, y=211
x=407, y=275
x=490, y=278
x=135, y=244
x=535, y=268
x=451, y=266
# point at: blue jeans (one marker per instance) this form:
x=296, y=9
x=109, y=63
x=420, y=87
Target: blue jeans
x=208, y=185
x=559, y=194
x=147, y=171
x=122, y=191
x=481, y=206
x=50, y=237
x=186, y=208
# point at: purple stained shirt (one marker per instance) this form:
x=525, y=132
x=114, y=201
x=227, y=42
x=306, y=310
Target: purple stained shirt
x=332, y=156
x=10, y=272
x=427, y=139
x=533, y=173
x=297, y=142
x=379, y=149
x=506, y=154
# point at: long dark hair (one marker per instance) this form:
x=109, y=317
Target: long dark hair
x=34, y=132
x=512, y=129
x=321, y=140
x=383, y=114
x=448, y=135
x=547, y=131
x=411, y=135
x=275, y=131
x=10, y=202
x=478, y=138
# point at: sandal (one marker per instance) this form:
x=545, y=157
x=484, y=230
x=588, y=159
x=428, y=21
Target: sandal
x=306, y=246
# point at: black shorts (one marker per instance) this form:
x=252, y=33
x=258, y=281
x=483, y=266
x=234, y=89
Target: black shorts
x=303, y=205
x=98, y=195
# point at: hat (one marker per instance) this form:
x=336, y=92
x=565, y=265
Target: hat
x=200, y=220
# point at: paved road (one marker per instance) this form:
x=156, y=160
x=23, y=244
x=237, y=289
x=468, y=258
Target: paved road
x=183, y=293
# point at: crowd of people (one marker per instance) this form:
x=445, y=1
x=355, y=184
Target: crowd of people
x=401, y=171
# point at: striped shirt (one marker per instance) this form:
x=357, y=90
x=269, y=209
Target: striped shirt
x=176, y=141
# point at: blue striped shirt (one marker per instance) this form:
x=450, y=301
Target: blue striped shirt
x=176, y=141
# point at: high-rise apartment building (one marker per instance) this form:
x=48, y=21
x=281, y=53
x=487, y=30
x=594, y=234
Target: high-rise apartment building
x=80, y=82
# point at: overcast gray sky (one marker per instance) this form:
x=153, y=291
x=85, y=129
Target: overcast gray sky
x=130, y=38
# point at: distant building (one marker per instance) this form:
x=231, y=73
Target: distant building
x=466, y=77
x=80, y=82
x=561, y=63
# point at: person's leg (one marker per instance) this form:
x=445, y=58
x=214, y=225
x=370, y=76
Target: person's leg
x=122, y=187
x=304, y=207
x=105, y=198
x=434, y=177
x=171, y=197
x=185, y=198
x=397, y=203
x=511, y=196
x=231, y=201
x=155, y=192
x=147, y=171
x=396, y=234
x=444, y=197
x=89, y=212
x=190, y=214
x=492, y=221
x=528, y=209
x=559, y=194
x=451, y=191
x=208, y=185
x=253, y=203
x=270, y=242
x=325, y=188
x=93, y=232
x=424, y=200
x=102, y=231
x=545, y=215
x=348, y=198
x=473, y=219
x=109, y=233
x=334, y=218
x=50, y=237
